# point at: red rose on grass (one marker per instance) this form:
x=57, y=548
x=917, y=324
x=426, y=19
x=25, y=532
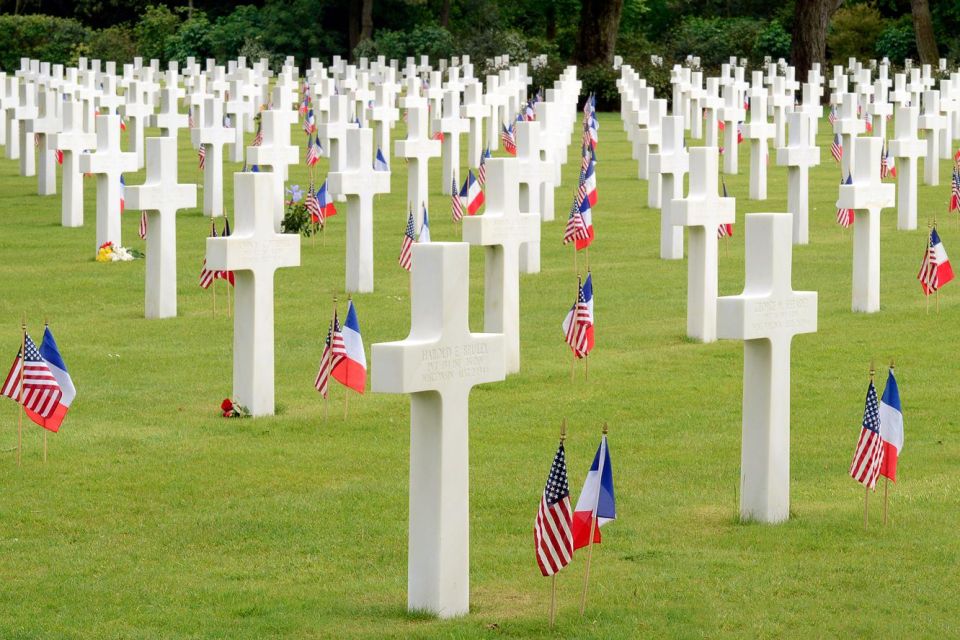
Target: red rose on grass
x=227, y=407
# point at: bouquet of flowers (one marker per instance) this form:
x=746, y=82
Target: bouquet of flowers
x=109, y=252
x=297, y=218
x=231, y=409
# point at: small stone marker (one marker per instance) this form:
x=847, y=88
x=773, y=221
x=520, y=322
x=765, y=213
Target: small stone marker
x=254, y=253
x=161, y=196
x=438, y=364
x=867, y=195
x=766, y=316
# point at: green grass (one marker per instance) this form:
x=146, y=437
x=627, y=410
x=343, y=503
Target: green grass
x=155, y=518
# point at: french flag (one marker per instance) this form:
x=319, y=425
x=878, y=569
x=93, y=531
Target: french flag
x=326, y=202
x=587, y=216
x=51, y=354
x=596, y=500
x=590, y=184
x=891, y=427
x=123, y=188
x=380, y=163
x=425, y=227
x=351, y=371
x=472, y=193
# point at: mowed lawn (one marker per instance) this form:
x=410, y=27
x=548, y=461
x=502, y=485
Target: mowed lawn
x=156, y=518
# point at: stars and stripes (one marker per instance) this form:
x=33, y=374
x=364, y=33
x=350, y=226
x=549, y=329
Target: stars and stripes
x=202, y=157
x=309, y=123
x=935, y=270
x=725, y=230
x=313, y=152
x=507, y=139
x=207, y=275
x=552, y=529
x=845, y=216
x=832, y=118
x=334, y=351
x=456, y=204
x=955, y=188
x=482, y=169
x=142, y=230
x=406, y=247
x=578, y=324
x=258, y=136
x=575, y=230
x=836, y=148
x=223, y=274
x=868, y=455
x=313, y=206
x=30, y=382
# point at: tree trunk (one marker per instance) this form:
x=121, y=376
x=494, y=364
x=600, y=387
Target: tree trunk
x=353, y=26
x=366, y=20
x=923, y=27
x=445, y=14
x=810, y=21
x=599, y=24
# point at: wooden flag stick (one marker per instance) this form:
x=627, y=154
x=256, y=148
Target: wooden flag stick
x=886, y=486
x=593, y=529
x=213, y=287
x=553, y=581
x=586, y=367
x=23, y=348
x=46, y=324
x=866, y=496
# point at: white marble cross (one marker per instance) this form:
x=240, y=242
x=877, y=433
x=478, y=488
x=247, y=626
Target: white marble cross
x=766, y=316
x=758, y=131
x=703, y=211
x=503, y=230
x=360, y=182
x=798, y=156
x=535, y=173
x=849, y=126
x=212, y=136
x=649, y=140
x=907, y=147
x=239, y=111
x=277, y=153
x=417, y=148
x=496, y=103
x=109, y=164
x=670, y=164
x=476, y=112
x=334, y=131
x=781, y=102
x=137, y=114
x=731, y=114
x=452, y=126
x=384, y=116
x=949, y=107
x=254, y=252
x=933, y=122
x=169, y=119
x=24, y=113
x=712, y=104
x=867, y=195
x=880, y=109
x=71, y=141
x=161, y=196
x=47, y=124
x=438, y=364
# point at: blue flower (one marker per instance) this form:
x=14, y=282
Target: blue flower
x=295, y=193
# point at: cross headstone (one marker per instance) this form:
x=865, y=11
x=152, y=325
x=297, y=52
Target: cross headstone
x=502, y=230
x=731, y=114
x=849, y=126
x=780, y=103
x=277, y=153
x=766, y=316
x=169, y=119
x=452, y=126
x=933, y=122
x=712, y=104
x=334, y=131
x=496, y=102
x=438, y=364
x=475, y=111
x=161, y=196
x=649, y=142
x=906, y=147
x=798, y=156
x=671, y=164
x=417, y=148
x=137, y=113
x=535, y=173
x=212, y=136
x=254, y=253
x=71, y=142
x=383, y=115
x=109, y=164
x=949, y=107
x=24, y=114
x=360, y=182
x=880, y=109
x=867, y=195
x=758, y=131
x=703, y=211
x=48, y=122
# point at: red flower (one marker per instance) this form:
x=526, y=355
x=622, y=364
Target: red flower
x=227, y=407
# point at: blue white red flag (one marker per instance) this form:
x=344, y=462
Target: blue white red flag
x=472, y=194
x=891, y=427
x=380, y=163
x=596, y=505
x=351, y=370
x=424, y=235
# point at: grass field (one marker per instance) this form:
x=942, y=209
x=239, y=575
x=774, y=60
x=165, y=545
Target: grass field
x=156, y=518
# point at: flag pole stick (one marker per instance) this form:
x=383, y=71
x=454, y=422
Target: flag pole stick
x=46, y=324
x=213, y=287
x=866, y=496
x=886, y=486
x=593, y=529
x=586, y=367
x=23, y=348
x=553, y=585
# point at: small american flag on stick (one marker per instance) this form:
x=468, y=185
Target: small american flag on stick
x=334, y=350
x=30, y=382
x=406, y=247
x=868, y=455
x=552, y=529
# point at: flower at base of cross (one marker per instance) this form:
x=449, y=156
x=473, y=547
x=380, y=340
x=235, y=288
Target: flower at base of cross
x=109, y=252
x=295, y=193
x=230, y=409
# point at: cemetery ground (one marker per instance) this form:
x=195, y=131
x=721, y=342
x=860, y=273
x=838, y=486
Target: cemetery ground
x=155, y=517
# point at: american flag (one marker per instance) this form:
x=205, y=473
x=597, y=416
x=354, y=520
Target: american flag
x=928, y=269
x=223, y=274
x=833, y=115
x=725, y=230
x=552, y=530
x=406, y=248
x=506, y=137
x=334, y=350
x=313, y=153
x=455, y=202
x=576, y=330
x=258, y=137
x=142, y=231
x=31, y=383
x=836, y=149
x=868, y=456
x=576, y=229
x=739, y=132
x=955, y=188
x=845, y=216
x=482, y=169
x=190, y=119
x=884, y=166
x=313, y=207
x=206, y=275
x=202, y=154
